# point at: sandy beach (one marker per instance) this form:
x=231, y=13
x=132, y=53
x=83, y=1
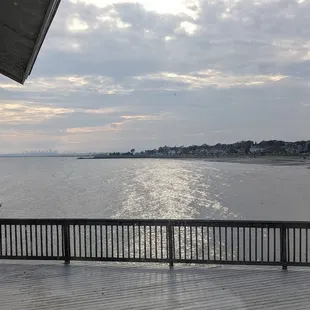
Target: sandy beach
x=265, y=160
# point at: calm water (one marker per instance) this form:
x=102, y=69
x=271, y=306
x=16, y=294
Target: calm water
x=66, y=187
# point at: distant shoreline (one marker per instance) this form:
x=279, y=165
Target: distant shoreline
x=260, y=160
x=275, y=160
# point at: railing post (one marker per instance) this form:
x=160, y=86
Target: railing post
x=66, y=242
x=283, y=247
x=170, y=244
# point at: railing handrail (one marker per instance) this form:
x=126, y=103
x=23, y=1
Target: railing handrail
x=176, y=222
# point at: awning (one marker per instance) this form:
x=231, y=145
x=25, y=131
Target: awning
x=23, y=27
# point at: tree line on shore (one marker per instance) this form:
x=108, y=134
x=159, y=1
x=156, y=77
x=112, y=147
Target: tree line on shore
x=240, y=148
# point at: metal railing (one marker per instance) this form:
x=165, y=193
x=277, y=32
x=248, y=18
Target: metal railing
x=164, y=241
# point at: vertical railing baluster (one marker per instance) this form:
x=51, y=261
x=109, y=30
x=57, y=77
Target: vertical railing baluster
x=106, y=241
x=268, y=244
x=185, y=242
x=46, y=241
x=300, y=245
x=5, y=241
x=243, y=250
x=12, y=238
x=288, y=245
x=306, y=245
x=123, y=242
x=26, y=238
x=208, y=244
x=191, y=241
x=220, y=241
x=20, y=240
x=31, y=240
x=85, y=248
x=150, y=230
x=202, y=243
x=117, y=241
x=156, y=256
x=16, y=246
x=96, y=240
x=161, y=242
x=144, y=240
x=214, y=244
x=80, y=241
x=196, y=237
x=41, y=240
x=11, y=241
x=255, y=243
x=179, y=242
x=128, y=241
x=134, y=240
x=74, y=240
x=139, y=239
x=90, y=241
x=112, y=240
x=294, y=245
x=226, y=243
x=52, y=241
x=57, y=240
x=250, y=243
x=36, y=238
x=274, y=244
x=101, y=242
x=232, y=243
x=262, y=243
x=238, y=244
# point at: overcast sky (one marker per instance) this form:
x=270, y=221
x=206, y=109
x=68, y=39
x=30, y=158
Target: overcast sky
x=121, y=75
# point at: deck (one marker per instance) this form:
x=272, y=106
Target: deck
x=37, y=285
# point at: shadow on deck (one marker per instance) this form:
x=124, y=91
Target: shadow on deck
x=117, y=286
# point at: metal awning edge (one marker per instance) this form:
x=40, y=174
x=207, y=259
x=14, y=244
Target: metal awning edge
x=48, y=19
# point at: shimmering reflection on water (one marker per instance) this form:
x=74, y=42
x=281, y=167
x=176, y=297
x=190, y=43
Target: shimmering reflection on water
x=171, y=189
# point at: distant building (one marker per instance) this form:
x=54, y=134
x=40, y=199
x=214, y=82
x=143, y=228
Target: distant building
x=255, y=149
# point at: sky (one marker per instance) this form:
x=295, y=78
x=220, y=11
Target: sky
x=116, y=75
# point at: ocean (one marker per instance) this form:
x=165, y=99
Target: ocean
x=152, y=188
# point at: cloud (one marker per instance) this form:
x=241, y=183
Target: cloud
x=207, y=78
x=100, y=111
x=188, y=27
x=20, y=112
x=112, y=20
x=143, y=117
x=100, y=84
x=94, y=129
x=230, y=35
x=26, y=112
x=77, y=25
x=159, y=6
x=118, y=126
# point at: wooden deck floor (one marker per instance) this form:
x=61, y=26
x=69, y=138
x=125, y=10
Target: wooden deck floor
x=94, y=286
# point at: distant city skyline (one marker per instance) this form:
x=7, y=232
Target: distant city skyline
x=122, y=74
